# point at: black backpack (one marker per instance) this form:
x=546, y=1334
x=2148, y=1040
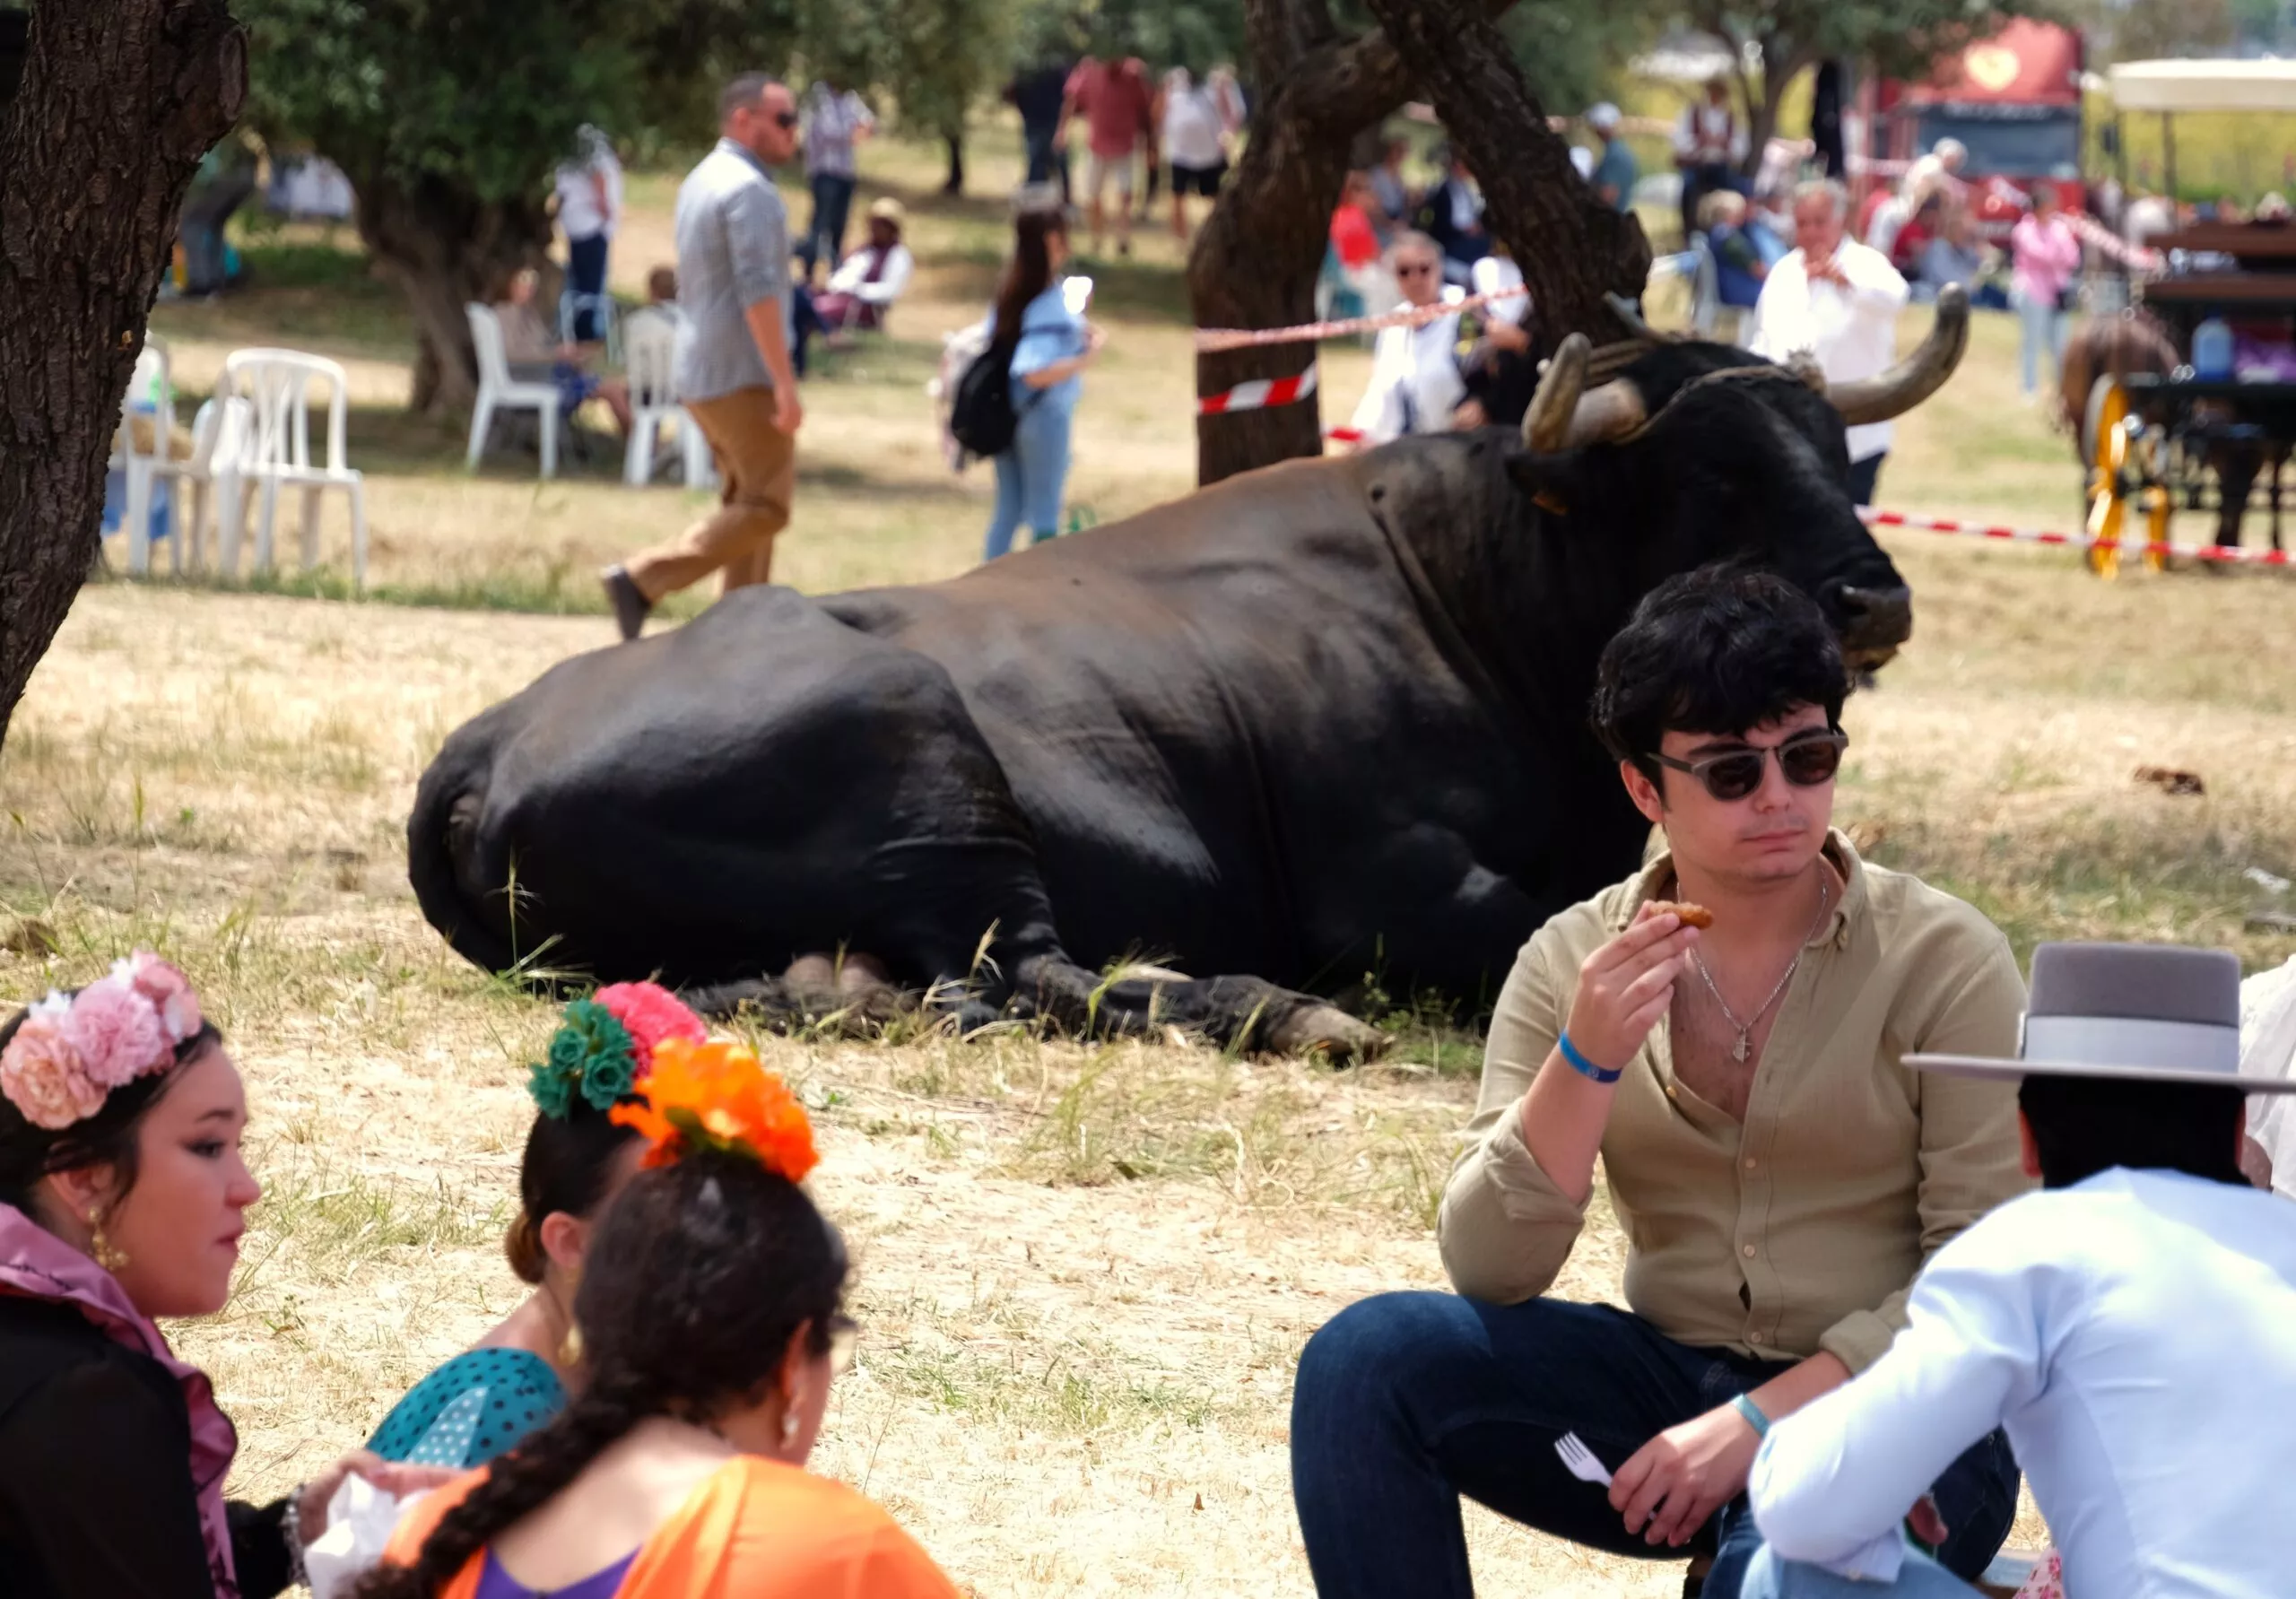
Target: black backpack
x=982, y=417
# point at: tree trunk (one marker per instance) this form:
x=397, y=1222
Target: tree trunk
x=1573, y=249
x=1255, y=260
x=1255, y=264
x=1782, y=64
x=447, y=247
x=120, y=98
x=955, y=141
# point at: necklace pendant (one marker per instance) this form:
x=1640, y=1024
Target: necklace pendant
x=1738, y=1049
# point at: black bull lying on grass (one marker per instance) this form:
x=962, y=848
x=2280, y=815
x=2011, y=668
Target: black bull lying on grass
x=1316, y=721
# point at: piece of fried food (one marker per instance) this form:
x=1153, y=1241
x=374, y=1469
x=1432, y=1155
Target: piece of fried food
x=1689, y=915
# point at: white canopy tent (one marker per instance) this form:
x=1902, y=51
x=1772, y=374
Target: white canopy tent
x=2205, y=86
x=2168, y=87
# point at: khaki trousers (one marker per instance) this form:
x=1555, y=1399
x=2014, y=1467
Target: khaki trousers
x=758, y=464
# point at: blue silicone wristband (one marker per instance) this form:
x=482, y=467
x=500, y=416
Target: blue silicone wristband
x=1581, y=1064
x=1752, y=1413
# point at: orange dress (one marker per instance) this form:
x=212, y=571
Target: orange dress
x=754, y=1529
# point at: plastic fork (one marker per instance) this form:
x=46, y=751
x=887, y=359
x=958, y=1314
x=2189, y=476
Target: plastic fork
x=1581, y=1461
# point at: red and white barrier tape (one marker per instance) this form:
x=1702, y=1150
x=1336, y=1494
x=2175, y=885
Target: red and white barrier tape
x=2094, y=232
x=1209, y=340
x=1260, y=393
x=2081, y=541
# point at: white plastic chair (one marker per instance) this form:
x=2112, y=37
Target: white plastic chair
x=499, y=391
x=650, y=341
x=141, y=461
x=276, y=451
x=219, y=441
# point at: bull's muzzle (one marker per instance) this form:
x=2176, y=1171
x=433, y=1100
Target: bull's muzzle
x=1873, y=623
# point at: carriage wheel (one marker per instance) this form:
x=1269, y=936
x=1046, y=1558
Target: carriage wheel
x=2104, y=445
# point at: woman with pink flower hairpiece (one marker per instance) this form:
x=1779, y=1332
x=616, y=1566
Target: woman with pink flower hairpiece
x=480, y=1404
x=123, y=1199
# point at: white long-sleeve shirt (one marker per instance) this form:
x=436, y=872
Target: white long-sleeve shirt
x=2136, y=1336
x=1415, y=382
x=852, y=275
x=1853, y=332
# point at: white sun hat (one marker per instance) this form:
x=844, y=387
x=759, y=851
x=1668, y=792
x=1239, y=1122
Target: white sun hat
x=2126, y=1013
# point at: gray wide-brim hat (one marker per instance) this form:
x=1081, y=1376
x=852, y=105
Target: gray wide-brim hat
x=2126, y=1013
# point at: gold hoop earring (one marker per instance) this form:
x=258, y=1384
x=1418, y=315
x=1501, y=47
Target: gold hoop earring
x=101, y=1249
x=789, y=1422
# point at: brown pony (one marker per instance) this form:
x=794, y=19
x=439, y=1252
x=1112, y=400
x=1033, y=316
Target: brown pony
x=2118, y=345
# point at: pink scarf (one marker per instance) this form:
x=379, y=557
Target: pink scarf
x=37, y=1265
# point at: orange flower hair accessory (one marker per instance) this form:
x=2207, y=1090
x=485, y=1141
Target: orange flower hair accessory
x=717, y=1096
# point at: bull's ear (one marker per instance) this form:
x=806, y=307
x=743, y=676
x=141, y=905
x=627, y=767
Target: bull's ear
x=1551, y=479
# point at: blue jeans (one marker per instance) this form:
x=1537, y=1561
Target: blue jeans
x=1407, y=1401
x=586, y=276
x=1866, y=478
x=2039, y=326
x=805, y=322
x=825, y=230
x=1032, y=475
x=1921, y=1578
x=1046, y=163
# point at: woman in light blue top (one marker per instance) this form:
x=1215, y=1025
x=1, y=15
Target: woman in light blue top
x=1054, y=345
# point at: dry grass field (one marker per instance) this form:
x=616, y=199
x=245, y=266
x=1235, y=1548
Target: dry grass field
x=1084, y=1270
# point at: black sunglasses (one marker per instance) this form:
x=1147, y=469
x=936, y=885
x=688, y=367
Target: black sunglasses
x=785, y=120
x=1807, y=760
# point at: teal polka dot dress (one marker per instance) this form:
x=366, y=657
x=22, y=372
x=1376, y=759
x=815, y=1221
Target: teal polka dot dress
x=471, y=1409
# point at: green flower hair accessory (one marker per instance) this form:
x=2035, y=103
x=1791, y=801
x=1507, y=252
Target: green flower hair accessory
x=592, y=1054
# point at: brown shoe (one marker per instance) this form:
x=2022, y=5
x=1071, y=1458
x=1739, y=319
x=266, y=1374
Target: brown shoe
x=630, y=606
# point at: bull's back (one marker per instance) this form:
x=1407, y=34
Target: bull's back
x=1204, y=709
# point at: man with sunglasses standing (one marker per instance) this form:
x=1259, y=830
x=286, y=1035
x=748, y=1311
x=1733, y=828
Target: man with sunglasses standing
x=1778, y=1174
x=732, y=368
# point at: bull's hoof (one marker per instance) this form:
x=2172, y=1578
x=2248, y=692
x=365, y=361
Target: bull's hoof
x=1329, y=1033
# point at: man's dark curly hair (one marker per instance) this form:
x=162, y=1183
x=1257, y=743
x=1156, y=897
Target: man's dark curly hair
x=1718, y=650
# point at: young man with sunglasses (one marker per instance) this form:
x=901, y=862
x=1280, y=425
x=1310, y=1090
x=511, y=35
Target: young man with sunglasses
x=1778, y=1174
x=734, y=372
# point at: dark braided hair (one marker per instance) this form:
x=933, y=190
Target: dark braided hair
x=700, y=1275
x=29, y=1151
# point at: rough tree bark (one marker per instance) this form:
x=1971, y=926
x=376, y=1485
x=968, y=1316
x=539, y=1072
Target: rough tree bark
x=447, y=247
x=1573, y=249
x=1255, y=262
x=120, y=100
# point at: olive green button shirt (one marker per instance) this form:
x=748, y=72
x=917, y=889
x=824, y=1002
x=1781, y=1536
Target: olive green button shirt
x=1802, y=1230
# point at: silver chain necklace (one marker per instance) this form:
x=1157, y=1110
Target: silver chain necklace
x=1738, y=1051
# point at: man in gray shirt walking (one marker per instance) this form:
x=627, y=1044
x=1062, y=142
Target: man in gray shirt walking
x=733, y=370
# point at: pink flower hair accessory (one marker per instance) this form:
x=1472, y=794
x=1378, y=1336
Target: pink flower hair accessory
x=72, y=1050
x=651, y=1013
x=168, y=989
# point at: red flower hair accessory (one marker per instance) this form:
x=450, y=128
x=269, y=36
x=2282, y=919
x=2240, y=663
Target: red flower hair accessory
x=718, y=1096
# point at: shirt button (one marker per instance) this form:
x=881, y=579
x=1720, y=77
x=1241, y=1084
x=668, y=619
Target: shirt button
x=1750, y=1251
x=1751, y=1162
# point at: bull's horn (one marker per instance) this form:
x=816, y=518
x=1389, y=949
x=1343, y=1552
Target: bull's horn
x=1565, y=414
x=1548, y=421
x=1625, y=311
x=1918, y=376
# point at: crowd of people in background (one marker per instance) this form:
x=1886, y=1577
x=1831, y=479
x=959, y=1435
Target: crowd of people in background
x=1776, y=281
